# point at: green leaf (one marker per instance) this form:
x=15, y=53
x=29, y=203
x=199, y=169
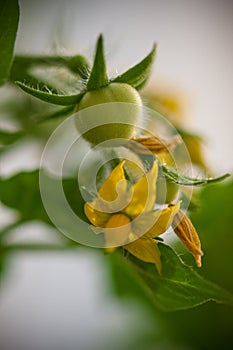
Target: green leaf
x=211, y=323
x=213, y=222
x=50, y=97
x=188, y=181
x=56, y=78
x=179, y=287
x=98, y=77
x=8, y=137
x=22, y=192
x=3, y=264
x=61, y=112
x=22, y=64
x=9, y=18
x=138, y=75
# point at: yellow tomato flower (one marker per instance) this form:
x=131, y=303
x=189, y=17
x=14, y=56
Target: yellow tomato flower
x=125, y=214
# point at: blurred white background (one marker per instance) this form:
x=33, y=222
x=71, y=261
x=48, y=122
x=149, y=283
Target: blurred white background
x=61, y=301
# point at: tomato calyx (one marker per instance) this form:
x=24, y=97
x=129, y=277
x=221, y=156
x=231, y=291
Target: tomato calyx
x=91, y=78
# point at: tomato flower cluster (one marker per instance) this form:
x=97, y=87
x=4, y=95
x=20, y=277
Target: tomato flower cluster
x=136, y=226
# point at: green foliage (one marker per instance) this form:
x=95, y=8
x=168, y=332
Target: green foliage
x=214, y=223
x=22, y=192
x=33, y=118
x=61, y=112
x=22, y=65
x=9, y=17
x=8, y=137
x=178, y=287
x=211, y=323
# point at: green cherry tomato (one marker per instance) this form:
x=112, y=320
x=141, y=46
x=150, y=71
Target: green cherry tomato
x=166, y=190
x=107, y=129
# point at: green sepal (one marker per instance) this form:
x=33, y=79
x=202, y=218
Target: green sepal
x=138, y=75
x=50, y=97
x=98, y=77
x=183, y=180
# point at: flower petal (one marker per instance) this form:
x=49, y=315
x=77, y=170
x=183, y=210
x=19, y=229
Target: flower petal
x=146, y=250
x=108, y=191
x=157, y=222
x=112, y=197
x=117, y=230
x=134, y=169
x=97, y=218
x=144, y=192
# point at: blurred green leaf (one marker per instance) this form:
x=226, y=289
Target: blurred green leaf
x=9, y=18
x=56, y=78
x=214, y=223
x=22, y=192
x=138, y=75
x=8, y=137
x=61, y=112
x=74, y=197
x=26, y=113
x=178, y=287
x=22, y=65
x=98, y=76
x=209, y=326
x=3, y=264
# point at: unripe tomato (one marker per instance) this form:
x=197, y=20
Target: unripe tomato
x=166, y=190
x=108, y=129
